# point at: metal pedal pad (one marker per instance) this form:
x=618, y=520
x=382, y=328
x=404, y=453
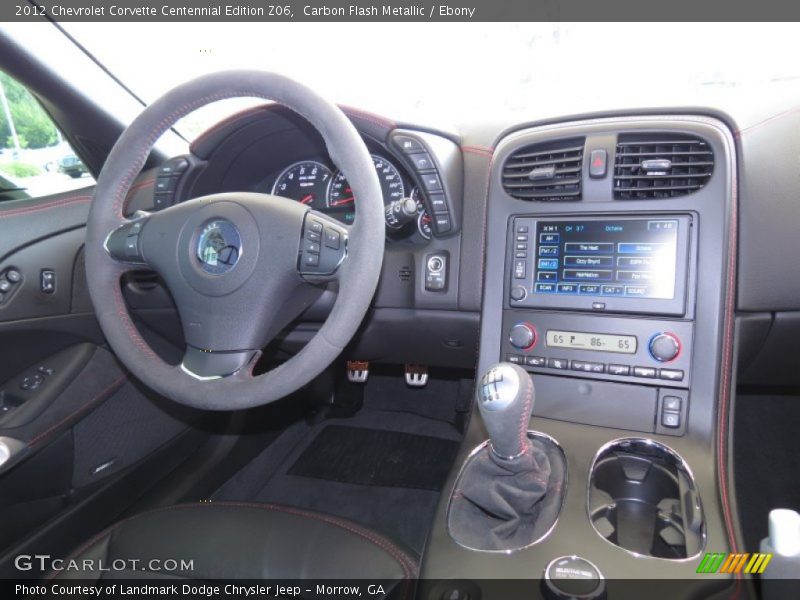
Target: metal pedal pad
x=416, y=375
x=357, y=371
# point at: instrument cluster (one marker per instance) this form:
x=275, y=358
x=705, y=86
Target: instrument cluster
x=314, y=183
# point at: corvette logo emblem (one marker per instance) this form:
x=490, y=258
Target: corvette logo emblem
x=219, y=247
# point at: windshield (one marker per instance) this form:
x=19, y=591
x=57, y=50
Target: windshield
x=454, y=73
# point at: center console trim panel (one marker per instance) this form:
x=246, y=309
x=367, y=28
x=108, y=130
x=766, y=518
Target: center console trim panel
x=715, y=208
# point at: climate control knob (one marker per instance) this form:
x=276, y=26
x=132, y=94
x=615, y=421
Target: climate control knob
x=522, y=336
x=664, y=346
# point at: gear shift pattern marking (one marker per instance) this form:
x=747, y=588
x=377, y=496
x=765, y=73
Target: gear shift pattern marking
x=506, y=398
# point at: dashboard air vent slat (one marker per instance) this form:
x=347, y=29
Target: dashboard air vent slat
x=666, y=166
x=548, y=171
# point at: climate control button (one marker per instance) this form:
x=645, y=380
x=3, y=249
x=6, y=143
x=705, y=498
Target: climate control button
x=664, y=346
x=522, y=336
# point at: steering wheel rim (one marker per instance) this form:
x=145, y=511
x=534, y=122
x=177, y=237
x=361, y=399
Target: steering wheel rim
x=358, y=273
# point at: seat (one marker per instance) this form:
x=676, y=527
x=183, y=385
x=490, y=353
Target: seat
x=231, y=540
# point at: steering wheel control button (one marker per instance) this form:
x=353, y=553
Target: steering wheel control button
x=13, y=276
x=323, y=248
x=167, y=181
x=522, y=336
x=436, y=272
x=219, y=246
x=332, y=238
x=570, y=577
x=664, y=347
x=173, y=166
x=598, y=161
x=47, y=281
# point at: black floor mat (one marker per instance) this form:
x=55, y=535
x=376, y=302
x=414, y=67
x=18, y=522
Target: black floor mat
x=766, y=454
x=377, y=458
x=354, y=469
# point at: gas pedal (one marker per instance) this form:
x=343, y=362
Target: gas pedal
x=357, y=371
x=416, y=375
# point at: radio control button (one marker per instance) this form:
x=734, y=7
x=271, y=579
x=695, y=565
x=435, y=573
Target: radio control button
x=664, y=346
x=535, y=361
x=621, y=370
x=557, y=363
x=648, y=372
x=671, y=374
x=518, y=293
x=522, y=336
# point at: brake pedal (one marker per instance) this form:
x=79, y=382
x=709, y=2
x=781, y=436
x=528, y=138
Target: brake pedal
x=357, y=371
x=416, y=375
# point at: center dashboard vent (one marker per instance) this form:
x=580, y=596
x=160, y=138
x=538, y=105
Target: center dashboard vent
x=549, y=171
x=660, y=165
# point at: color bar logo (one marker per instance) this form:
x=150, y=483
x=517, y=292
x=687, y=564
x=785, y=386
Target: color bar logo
x=722, y=562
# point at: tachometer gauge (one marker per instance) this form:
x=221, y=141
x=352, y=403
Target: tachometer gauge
x=306, y=181
x=423, y=218
x=341, y=196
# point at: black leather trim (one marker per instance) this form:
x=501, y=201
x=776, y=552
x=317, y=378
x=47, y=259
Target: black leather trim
x=235, y=540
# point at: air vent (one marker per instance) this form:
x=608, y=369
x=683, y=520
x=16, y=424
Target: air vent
x=660, y=165
x=550, y=171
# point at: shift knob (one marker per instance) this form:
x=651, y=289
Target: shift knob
x=505, y=399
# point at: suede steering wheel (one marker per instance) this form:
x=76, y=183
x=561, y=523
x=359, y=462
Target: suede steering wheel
x=240, y=266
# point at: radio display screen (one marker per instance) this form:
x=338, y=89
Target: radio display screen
x=629, y=258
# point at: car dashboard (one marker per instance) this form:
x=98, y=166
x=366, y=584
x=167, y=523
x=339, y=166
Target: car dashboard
x=599, y=254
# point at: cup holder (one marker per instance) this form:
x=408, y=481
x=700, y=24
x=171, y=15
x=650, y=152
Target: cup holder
x=643, y=498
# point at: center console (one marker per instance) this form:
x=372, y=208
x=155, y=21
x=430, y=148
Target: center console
x=610, y=250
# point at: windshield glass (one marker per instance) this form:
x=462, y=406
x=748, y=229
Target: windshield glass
x=454, y=73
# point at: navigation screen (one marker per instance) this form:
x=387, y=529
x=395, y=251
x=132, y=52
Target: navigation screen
x=627, y=258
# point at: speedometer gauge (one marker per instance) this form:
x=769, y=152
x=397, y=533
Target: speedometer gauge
x=341, y=196
x=305, y=181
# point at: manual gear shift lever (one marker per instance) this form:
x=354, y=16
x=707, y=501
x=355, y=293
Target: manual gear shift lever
x=505, y=399
x=509, y=494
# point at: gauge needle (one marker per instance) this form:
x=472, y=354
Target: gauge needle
x=342, y=201
x=307, y=199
